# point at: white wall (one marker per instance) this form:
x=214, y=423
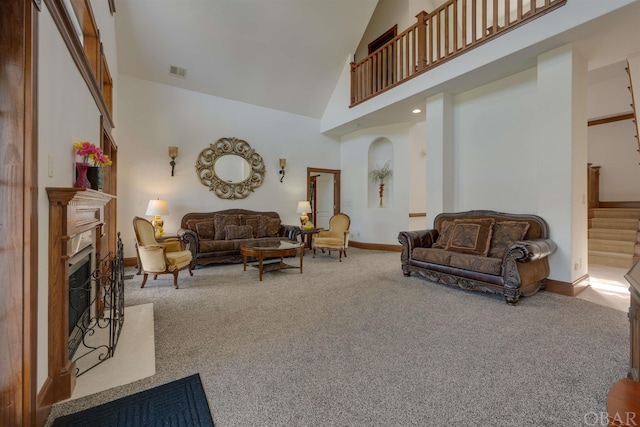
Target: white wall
x=561, y=118
x=417, y=175
x=153, y=117
x=67, y=113
x=613, y=146
x=375, y=224
x=494, y=143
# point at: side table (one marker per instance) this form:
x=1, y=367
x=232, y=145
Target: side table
x=305, y=235
x=165, y=238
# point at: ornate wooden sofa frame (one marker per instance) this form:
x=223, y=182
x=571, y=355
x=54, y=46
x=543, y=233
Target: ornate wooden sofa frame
x=214, y=248
x=522, y=269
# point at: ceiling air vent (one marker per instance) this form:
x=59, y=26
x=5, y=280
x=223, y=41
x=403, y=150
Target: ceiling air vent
x=178, y=71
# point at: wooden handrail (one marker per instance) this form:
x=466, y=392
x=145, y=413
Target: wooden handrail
x=448, y=31
x=593, y=186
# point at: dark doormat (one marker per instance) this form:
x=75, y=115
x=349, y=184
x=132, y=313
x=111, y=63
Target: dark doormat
x=180, y=403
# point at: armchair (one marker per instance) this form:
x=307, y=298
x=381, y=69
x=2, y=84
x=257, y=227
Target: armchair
x=335, y=238
x=159, y=257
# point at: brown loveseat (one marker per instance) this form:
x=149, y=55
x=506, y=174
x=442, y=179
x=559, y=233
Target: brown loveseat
x=481, y=250
x=216, y=237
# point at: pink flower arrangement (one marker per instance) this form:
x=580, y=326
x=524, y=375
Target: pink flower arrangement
x=91, y=154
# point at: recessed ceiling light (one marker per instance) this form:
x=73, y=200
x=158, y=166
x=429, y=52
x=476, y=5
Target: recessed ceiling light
x=416, y=111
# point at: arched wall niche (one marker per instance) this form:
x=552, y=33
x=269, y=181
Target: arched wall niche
x=380, y=152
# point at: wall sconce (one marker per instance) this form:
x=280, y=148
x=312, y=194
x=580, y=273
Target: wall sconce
x=283, y=164
x=157, y=208
x=173, y=153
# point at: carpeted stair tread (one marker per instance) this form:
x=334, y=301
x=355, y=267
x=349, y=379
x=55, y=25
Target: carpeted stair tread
x=613, y=234
x=630, y=213
x=611, y=254
x=611, y=246
x=615, y=223
x=611, y=259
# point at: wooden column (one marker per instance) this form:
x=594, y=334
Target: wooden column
x=18, y=211
x=72, y=211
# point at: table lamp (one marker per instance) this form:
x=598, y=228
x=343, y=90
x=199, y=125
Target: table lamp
x=157, y=208
x=304, y=207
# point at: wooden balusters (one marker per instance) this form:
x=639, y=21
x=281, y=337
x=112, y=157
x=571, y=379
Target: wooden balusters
x=450, y=30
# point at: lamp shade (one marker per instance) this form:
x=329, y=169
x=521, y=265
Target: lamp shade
x=157, y=207
x=304, y=207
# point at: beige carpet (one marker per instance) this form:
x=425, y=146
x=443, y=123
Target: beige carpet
x=358, y=344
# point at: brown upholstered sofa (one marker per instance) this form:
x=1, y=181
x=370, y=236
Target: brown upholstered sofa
x=216, y=237
x=481, y=250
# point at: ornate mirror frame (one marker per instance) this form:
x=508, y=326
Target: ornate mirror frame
x=205, y=168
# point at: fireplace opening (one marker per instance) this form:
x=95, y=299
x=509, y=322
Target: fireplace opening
x=80, y=279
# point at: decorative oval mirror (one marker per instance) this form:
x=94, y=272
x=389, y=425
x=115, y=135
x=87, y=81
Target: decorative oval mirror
x=230, y=168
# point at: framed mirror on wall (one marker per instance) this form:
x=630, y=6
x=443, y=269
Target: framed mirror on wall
x=323, y=192
x=230, y=168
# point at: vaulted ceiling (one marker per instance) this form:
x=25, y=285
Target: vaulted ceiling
x=281, y=54
x=288, y=54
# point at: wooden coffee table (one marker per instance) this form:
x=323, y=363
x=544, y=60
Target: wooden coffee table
x=265, y=250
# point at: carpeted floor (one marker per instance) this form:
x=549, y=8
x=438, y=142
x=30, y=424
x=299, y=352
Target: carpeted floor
x=357, y=344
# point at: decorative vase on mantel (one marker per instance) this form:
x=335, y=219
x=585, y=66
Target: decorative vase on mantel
x=81, y=176
x=381, y=192
x=95, y=174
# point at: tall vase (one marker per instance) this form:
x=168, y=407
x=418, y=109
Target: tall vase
x=381, y=192
x=81, y=176
x=95, y=174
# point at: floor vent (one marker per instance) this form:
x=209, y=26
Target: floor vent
x=178, y=71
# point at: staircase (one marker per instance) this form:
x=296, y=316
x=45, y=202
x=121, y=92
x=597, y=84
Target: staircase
x=614, y=231
x=613, y=235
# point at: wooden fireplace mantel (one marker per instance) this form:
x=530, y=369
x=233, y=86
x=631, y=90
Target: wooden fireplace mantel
x=72, y=211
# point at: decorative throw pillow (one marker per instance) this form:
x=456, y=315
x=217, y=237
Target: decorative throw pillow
x=505, y=233
x=192, y=224
x=221, y=221
x=244, y=218
x=253, y=223
x=205, y=230
x=471, y=236
x=268, y=226
x=238, y=232
x=445, y=234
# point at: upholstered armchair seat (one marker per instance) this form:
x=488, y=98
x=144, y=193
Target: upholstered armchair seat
x=167, y=257
x=335, y=238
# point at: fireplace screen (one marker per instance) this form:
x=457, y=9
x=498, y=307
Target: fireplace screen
x=96, y=307
x=79, y=298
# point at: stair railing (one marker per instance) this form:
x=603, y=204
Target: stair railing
x=593, y=186
x=452, y=29
x=633, y=71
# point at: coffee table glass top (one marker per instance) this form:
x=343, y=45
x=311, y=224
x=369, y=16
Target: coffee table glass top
x=270, y=245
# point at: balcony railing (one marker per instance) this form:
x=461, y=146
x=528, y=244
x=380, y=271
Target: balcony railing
x=450, y=30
